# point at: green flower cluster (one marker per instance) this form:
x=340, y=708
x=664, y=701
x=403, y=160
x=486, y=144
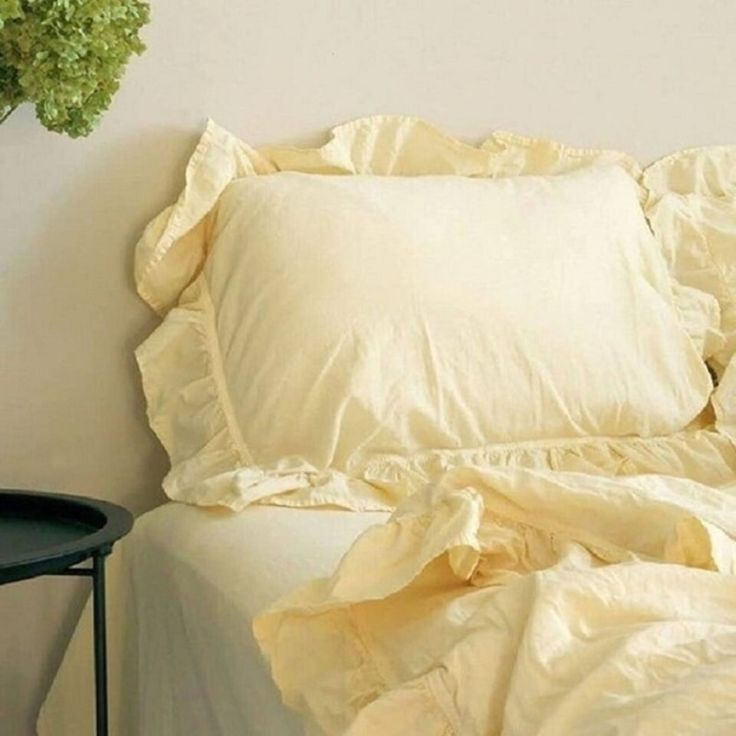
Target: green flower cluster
x=66, y=57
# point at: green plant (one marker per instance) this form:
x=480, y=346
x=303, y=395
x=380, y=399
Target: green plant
x=66, y=57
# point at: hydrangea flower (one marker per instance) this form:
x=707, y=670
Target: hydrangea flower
x=66, y=57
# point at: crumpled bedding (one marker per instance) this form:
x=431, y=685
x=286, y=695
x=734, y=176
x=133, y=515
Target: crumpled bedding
x=518, y=601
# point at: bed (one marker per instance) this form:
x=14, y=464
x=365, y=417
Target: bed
x=452, y=433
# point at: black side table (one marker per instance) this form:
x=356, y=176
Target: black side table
x=48, y=534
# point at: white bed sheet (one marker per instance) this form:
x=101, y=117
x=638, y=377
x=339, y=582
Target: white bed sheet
x=183, y=590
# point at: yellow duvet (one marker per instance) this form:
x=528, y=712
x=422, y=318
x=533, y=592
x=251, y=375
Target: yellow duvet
x=517, y=601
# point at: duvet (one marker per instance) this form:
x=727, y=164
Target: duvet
x=522, y=601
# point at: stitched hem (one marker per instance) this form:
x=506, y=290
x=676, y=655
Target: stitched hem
x=218, y=375
x=445, y=702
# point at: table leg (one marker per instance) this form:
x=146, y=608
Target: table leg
x=100, y=637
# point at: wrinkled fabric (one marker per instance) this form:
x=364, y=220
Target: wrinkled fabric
x=691, y=205
x=515, y=601
x=281, y=373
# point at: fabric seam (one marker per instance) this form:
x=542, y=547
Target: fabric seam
x=382, y=672
x=218, y=375
x=686, y=152
x=443, y=699
x=506, y=136
x=563, y=444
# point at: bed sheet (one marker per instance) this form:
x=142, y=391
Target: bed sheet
x=183, y=590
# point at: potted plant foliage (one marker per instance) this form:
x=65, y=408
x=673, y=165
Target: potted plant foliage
x=66, y=57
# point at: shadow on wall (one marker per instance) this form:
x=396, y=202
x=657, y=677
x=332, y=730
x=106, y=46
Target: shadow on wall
x=73, y=411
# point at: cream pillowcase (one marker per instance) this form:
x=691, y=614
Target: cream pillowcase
x=691, y=205
x=340, y=322
x=363, y=315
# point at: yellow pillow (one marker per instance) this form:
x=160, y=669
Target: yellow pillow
x=691, y=205
x=340, y=322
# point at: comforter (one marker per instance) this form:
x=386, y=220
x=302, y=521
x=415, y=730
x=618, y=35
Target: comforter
x=522, y=601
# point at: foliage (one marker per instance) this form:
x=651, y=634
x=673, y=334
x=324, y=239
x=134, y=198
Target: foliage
x=66, y=57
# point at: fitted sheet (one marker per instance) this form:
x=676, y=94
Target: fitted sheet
x=183, y=590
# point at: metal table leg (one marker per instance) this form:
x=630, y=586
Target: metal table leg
x=100, y=643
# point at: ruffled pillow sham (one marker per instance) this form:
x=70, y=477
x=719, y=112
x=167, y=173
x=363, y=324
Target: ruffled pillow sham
x=307, y=362
x=691, y=204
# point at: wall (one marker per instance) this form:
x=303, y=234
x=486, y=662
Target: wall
x=644, y=77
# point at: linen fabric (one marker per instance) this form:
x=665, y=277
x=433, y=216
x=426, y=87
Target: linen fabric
x=691, y=205
x=516, y=601
x=552, y=586
x=185, y=586
x=334, y=329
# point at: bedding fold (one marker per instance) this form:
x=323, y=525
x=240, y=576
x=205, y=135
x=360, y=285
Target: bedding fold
x=510, y=600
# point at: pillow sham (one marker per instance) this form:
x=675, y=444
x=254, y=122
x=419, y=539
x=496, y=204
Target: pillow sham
x=338, y=322
x=691, y=205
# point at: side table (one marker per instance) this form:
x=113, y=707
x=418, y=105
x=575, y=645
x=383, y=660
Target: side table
x=49, y=534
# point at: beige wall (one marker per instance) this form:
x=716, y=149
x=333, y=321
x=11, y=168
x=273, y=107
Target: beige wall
x=647, y=77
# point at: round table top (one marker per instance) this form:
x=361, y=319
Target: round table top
x=42, y=533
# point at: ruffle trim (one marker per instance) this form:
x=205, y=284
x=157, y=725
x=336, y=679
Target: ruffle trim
x=174, y=246
x=187, y=409
x=190, y=411
x=441, y=539
x=364, y=679
x=383, y=482
x=691, y=206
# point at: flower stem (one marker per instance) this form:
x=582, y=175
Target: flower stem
x=4, y=116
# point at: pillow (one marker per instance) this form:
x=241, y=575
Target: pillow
x=339, y=322
x=173, y=247
x=691, y=205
